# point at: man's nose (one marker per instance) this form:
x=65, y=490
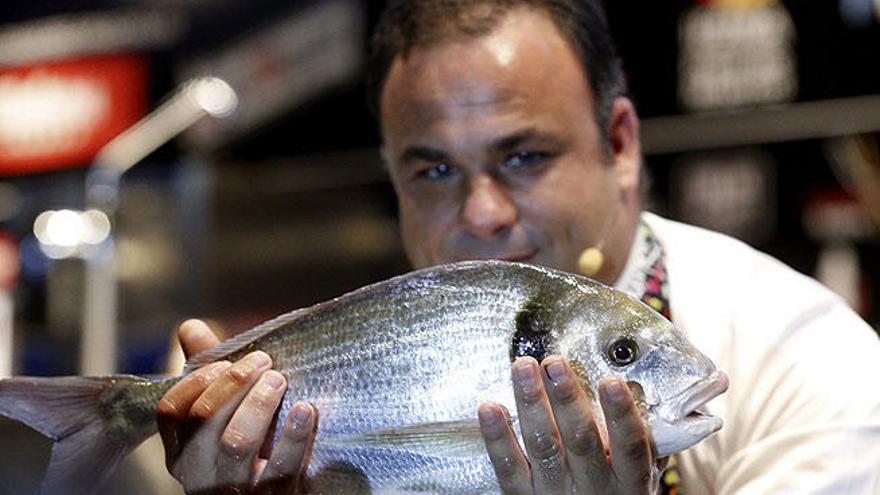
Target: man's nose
x=487, y=208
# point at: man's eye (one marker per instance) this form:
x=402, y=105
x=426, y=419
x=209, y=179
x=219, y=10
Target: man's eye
x=524, y=159
x=439, y=171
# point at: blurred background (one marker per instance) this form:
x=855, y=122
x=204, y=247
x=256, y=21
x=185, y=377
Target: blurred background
x=760, y=120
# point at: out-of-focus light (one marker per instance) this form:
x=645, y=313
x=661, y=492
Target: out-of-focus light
x=66, y=233
x=59, y=228
x=48, y=113
x=214, y=96
x=97, y=226
x=731, y=58
x=859, y=14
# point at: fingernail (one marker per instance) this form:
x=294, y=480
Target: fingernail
x=216, y=369
x=302, y=413
x=556, y=371
x=524, y=372
x=614, y=390
x=254, y=361
x=489, y=416
x=260, y=359
x=273, y=379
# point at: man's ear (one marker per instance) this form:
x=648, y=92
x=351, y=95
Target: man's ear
x=626, y=148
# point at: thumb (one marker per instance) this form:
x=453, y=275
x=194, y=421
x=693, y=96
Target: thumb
x=195, y=336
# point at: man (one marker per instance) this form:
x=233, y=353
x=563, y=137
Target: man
x=507, y=135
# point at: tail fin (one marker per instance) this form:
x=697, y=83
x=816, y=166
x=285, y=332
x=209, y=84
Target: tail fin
x=91, y=421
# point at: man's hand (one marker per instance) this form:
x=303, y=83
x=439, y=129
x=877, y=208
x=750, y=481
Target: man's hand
x=216, y=425
x=564, y=451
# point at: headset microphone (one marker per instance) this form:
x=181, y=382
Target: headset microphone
x=591, y=259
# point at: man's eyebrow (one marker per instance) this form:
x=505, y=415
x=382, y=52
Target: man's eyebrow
x=423, y=153
x=517, y=139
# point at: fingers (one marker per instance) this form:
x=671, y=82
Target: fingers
x=565, y=450
x=628, y=435
x=290, y=457
x=173, y=408
x=218, y=402
x=584, y=449
x=511, y=467
x=243, y=437
x=541, y=437
x=195, y=337
x=200, y=452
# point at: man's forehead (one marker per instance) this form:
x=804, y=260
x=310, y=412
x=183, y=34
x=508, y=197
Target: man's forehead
x=433, y=94
x=509, y=63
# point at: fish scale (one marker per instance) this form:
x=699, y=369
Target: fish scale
x=397, y=370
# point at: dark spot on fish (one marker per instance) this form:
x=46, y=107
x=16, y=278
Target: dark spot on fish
x=532, y=335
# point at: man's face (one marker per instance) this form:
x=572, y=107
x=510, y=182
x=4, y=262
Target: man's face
x=494, y=151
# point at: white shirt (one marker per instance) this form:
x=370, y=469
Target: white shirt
x=802, y=414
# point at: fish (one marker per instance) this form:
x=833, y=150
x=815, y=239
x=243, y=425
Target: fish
x=397, y=370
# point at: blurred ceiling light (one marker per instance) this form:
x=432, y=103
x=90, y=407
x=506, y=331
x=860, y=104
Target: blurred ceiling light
x=214, y=96
x=66, y=233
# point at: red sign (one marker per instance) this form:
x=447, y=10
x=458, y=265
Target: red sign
x=59, y=114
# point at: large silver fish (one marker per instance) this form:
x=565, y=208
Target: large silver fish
x=397, y=370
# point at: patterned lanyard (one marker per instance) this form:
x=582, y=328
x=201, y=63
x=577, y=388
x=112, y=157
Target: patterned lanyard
x=645, y=277
x=645, y=273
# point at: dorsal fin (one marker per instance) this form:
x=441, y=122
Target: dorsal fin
x=243, y=340
x=428, y=276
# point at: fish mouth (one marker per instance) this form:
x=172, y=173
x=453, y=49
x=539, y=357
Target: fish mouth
x=688, y=405
x=682, y=422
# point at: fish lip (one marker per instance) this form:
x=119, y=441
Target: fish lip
x=697, y=417
x=699, y=394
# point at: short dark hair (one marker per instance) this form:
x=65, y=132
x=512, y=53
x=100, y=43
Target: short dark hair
x=409, y=24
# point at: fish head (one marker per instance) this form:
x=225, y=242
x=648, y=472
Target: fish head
x=670, y=379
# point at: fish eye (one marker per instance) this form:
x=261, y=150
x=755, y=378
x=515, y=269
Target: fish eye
x=623, y=351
